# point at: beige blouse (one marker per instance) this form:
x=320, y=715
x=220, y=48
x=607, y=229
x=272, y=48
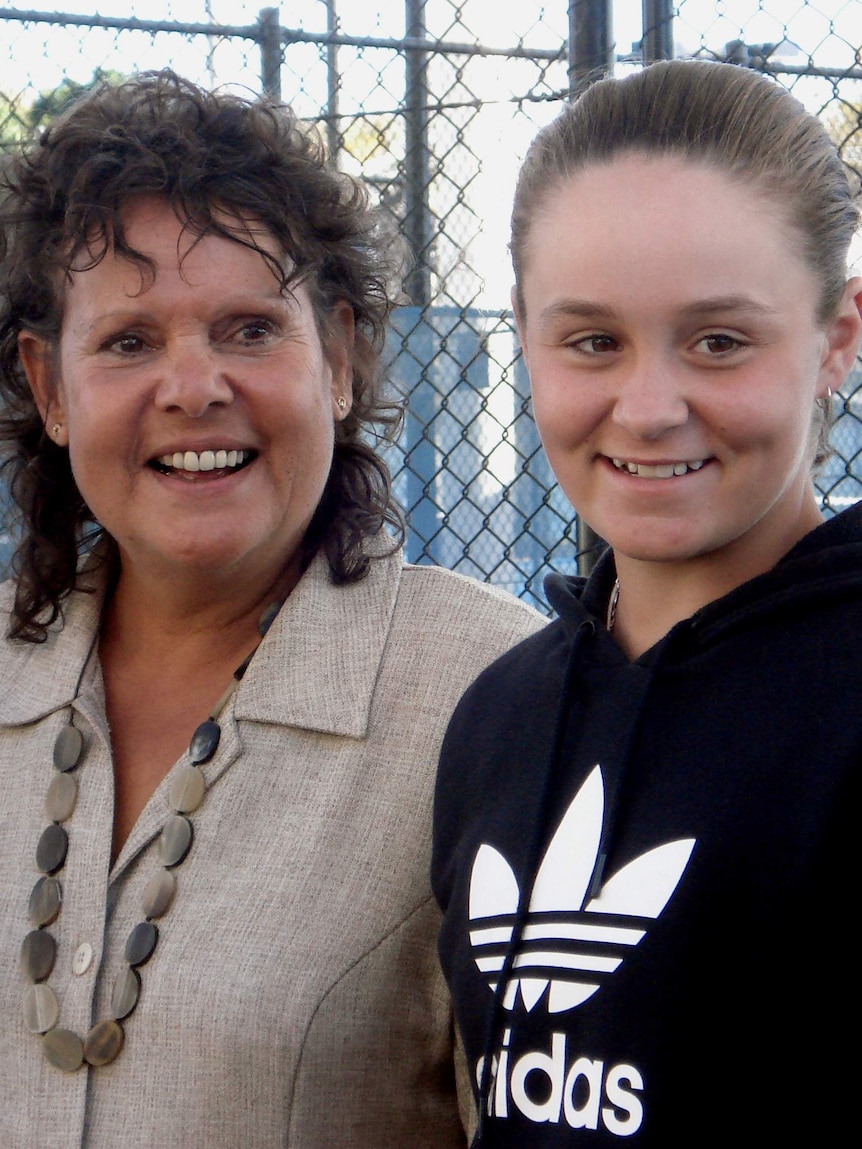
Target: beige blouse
x=294, y=997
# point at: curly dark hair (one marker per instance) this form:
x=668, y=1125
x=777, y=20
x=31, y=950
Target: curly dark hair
x=216, y=158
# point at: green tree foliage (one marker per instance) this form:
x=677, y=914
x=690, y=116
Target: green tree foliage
x=20, y=120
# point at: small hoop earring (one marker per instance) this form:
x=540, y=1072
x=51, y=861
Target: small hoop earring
x=342, y=403
x=56, y=429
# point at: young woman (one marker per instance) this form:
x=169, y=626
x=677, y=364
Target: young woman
x=644, y=844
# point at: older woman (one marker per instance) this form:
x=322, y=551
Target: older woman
x=217, y=928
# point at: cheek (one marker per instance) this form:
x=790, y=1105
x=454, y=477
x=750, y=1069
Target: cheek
x=564, y=418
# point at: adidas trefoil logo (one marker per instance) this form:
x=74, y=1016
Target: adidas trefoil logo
x=567, y=944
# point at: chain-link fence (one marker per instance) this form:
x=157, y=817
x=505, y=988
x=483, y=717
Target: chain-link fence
x=434, y=102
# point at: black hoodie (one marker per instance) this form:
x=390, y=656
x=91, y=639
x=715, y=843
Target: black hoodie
x=646, y=869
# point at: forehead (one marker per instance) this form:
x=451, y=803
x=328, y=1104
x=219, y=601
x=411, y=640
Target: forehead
x=164, y=269
x=635, y=192
x=152, y=228
x=658, y=225
x=156, y=247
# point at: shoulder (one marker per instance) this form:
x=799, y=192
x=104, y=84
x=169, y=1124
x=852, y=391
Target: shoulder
x=442, y=631
x=7, y=598
x=528, y=672
x=511, y=707
x=436, y=587
x=38, y=677
x=15, y=653
x=496, y=747
x=458, y=609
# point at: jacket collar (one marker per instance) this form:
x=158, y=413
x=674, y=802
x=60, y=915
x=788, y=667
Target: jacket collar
x=317, y=668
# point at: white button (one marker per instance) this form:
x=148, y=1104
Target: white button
x=82, y=959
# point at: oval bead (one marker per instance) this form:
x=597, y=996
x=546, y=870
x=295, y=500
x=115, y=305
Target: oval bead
x=51, y=849
x=67, y=748
x=141, y=943
x=41, y=1008
x=175, y=840
x=204, y=742
x=125, y=994
x=46, y=898
x=159, y=893
x=61, y=797
x=187, y=789
x=38, y=953
x=103, y=1042
x=63, y=1049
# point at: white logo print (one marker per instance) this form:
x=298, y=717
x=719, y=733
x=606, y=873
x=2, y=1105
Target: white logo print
x=567, y=944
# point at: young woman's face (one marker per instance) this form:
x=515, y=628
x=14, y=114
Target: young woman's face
x=669, y=326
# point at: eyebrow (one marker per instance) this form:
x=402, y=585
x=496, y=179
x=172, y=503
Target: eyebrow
x=586, y=309
x=565, y=308
x=731, y=303
x=248, y=305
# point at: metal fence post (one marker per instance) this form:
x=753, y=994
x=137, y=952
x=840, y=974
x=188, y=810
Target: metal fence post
x=333, y=86
x=591, y=54
x=657, y=42
x=421, y=462
x=270, y=52
x=591, y=50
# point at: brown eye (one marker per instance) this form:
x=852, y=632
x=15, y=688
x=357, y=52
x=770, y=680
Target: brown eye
x=255, y=331
x=126, y=345
x=595, y=344
x=719, y=344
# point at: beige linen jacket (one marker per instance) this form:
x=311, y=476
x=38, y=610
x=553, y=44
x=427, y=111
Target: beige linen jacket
x=294, y=997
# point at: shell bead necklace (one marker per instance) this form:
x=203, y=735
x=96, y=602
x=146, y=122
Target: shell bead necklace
x=64, y=1048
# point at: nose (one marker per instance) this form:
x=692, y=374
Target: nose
x=651, y=398
x=191, y=380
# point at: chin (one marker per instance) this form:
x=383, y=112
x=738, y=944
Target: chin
x=656, y=546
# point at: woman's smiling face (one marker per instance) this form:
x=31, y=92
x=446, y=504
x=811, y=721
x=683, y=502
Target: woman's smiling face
x=198, y=405
x=670, y=329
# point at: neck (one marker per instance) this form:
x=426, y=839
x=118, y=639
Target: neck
x=186, y=625
x=146, y=613
x=655, y=596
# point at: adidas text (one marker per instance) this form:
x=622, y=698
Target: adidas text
x=582, y=1092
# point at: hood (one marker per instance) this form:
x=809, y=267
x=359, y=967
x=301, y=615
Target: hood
x=824, y=566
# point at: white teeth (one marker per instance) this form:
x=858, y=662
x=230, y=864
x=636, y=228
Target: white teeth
x=205, y=461
x=657, y=470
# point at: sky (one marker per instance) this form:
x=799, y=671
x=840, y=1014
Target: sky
x=830, y=27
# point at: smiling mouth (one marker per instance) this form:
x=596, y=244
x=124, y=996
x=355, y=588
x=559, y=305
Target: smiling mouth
x=192, y=462
x=657, y=470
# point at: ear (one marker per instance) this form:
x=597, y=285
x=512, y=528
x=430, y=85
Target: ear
x=519, y=324
x=38, y=362
x=842, y=336
x=341, y=333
